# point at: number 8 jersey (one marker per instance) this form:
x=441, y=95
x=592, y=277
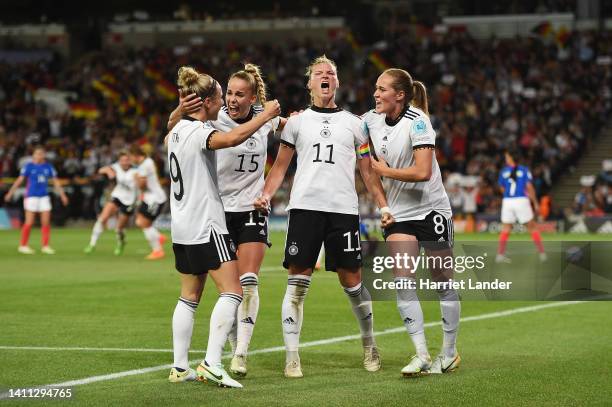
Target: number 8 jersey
x=195, y=204
x=241, y=168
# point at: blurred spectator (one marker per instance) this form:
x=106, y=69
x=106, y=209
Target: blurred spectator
x=546, y=99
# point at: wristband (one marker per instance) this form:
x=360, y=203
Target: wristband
x=385, y=209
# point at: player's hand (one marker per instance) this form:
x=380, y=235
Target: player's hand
x=7, y=197
x=189, y=104
x=386, y=220
x=262, y=204
x=272, y=109
x=379, y=165
x=64, y=199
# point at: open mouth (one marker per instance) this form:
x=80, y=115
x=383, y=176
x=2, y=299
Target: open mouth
x=324, y=85
x=233, y=109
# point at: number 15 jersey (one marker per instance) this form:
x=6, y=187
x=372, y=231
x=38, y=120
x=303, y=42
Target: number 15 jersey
x=240, y=169
x=326, y=142
x=195, y=204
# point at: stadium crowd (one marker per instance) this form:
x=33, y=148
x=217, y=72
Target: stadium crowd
x=547, y=97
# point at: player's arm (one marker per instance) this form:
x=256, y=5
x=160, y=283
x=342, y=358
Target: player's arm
x=275, y=177
x=14, y=187
x=60, y=191
x=419, y=172
x=141, y=181
x=374, y=186
x=108, y=171
x=238, y=135
x=187, y=105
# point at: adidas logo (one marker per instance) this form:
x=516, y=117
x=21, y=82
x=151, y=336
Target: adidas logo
x=408, y=320
x=248, y=320
x=262, y=232
x=289, y=321
x=369, y=316
x=441, y=239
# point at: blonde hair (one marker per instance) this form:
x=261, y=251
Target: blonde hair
x=416, y=92
x=252, y=75
x=190, y=81
x=323, y=59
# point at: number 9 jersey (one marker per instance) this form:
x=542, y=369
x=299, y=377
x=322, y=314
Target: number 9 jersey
x=241, y=168
x=195, y=204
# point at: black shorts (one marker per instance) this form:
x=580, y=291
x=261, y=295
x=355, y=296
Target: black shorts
x=199, y=258
x=434, y=232
x=308, y=230
x=150, y=212
x=245, y=227
x=123, y=208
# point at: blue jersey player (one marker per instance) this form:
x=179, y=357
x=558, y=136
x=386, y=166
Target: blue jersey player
x=37, y=174
x=516, y=184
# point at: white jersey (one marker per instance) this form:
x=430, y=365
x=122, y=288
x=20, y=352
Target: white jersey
x=325, y=141
x=125, y=189
x=154, y=193
x=195, y=204
x=240, y=169
x=395, y=142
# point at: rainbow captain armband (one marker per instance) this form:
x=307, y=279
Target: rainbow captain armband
x=364, y=150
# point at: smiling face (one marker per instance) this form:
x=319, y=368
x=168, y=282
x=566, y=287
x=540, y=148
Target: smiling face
x=323, y=81
x=387, y=99
x=239, y=98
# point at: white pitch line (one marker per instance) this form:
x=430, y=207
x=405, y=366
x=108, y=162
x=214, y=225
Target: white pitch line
x=491, y=315
x=86, y=349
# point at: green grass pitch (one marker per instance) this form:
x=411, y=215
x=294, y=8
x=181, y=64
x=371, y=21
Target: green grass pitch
x=553, y=356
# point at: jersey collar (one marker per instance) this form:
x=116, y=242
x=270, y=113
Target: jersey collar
x=390, y=122
x=244, y=119
x=191, y=119
x=325, y=109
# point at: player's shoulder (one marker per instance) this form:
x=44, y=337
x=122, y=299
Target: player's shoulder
x=372, y=116
x=414, y=113
x=351, y=116
x=296, y=118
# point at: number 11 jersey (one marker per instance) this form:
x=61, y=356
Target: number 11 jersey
x=195, y=204
x=326, y=142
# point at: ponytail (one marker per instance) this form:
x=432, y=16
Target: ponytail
x=260, y=85
x=420, y=96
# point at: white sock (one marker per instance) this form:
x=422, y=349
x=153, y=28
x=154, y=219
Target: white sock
x=182, y=328
x=362, y=308
x=410, y=310
x=292, y=313
x=96, y=232
x=450, y=307
x=247, y=312
x=221, y=321
x=232, y=336
x=152, y=236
